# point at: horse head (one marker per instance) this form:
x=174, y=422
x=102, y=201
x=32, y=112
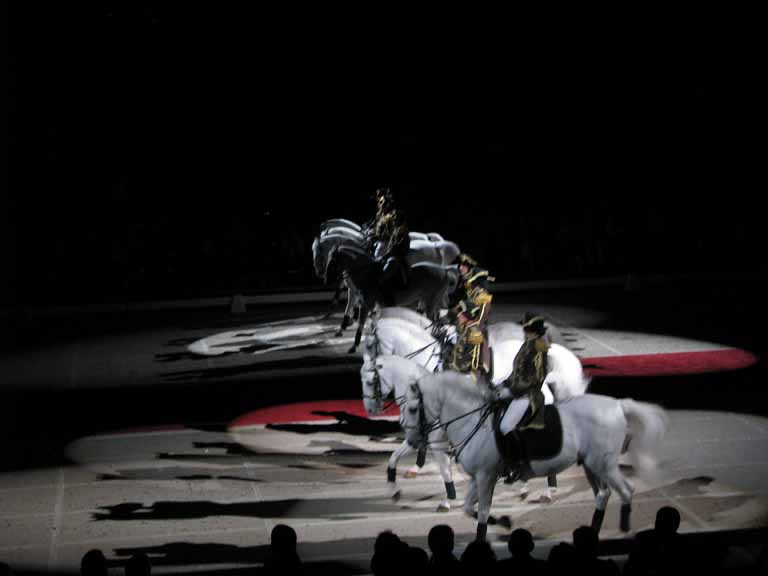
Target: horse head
x=374, y=390
x=317, y=259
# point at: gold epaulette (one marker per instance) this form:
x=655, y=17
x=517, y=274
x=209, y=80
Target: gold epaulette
x=483, y=298
x=476, y=276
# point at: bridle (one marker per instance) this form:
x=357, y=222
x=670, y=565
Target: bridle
x=425, y=428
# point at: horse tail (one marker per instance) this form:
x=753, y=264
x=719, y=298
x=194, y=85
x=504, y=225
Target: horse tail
x=566, y=377
x=647, y=424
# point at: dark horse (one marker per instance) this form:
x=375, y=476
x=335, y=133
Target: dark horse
x=428, y=284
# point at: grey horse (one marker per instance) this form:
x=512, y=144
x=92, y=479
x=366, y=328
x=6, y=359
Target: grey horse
x=594, y=430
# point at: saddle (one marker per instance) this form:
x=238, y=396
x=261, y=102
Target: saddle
x=529, y=444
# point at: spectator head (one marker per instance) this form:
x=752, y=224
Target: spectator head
x=585, y=541
x=520, y=543
x=562, y=555
x=93, y=564
x=138, y=565
x=283, y=539
x=479, y=554
x=441, y=540
x=667, y=520
x=5, y=569
x=388, y=553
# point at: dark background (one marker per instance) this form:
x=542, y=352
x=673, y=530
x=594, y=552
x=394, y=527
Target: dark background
x=164, y=151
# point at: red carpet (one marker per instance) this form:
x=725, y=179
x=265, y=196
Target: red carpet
x=677, y=363
x=669, y=364
x=306, y=412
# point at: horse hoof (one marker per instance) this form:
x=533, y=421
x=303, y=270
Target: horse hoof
x=505, y=522
x=396, y=496
x=338, y=334
x=545, y=499
x=351, y=350
x=443, y=507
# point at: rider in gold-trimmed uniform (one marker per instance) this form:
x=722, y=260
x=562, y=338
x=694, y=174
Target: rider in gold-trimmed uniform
x=472, y=353
x=530, y=369
x=390, y=231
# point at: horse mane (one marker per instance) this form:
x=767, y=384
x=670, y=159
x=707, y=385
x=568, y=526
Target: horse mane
x=353, y=251
x=409, y=327
x=387, y=364
x=461, y=387
x=406, y=314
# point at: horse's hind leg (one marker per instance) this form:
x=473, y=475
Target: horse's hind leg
x=618, y=482
x=602, y=493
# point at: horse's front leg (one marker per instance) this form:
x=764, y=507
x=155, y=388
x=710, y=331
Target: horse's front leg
x=439, y=451
x=359, y=332
x=347, y=319
x=471, y=498
x=392, y=488
x=485, y=485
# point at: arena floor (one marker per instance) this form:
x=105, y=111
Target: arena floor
x=207, y=432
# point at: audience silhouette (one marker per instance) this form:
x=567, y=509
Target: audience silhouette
x=586, y=543
x=520, y=546
x=388, y=554
x=93, y=564
x=562, y=558
x=478, y=556
x=282, y=557
x=659, y=549
x=441, y=542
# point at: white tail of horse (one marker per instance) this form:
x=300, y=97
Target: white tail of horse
x=566, y=376
x=647, y=425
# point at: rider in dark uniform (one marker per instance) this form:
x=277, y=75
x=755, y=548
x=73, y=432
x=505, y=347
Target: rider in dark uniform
x=530, y=369
x=472, y=353
x=390, y=231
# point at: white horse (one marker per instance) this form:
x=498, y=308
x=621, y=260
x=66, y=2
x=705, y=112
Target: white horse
x=392, y=335
x=375, y=390
x=594, y=428
x=403, y=332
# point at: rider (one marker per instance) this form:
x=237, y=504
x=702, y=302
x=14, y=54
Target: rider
x=390, y=230
x=471, y=353
x=529, y=370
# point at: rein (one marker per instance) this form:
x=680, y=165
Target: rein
x=425, y=429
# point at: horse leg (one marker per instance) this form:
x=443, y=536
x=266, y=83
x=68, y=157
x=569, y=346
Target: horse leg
x=485, y=485
x=444, y=465
x=347, y=319
x=618, y=482
x=359, y=333
x=392, y=488
x=551, y=490
x=471, y=499
x=602, y=493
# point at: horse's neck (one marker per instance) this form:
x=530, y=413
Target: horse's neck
x=406, y=339
x=460, y=410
